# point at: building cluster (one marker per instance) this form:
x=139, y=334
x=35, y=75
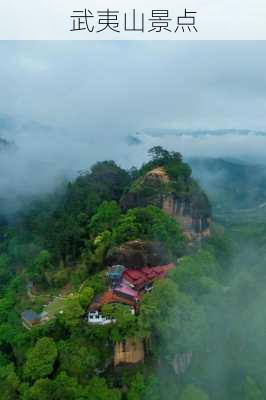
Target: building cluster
x=125, y=287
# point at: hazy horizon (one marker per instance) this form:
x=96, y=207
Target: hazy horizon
x=67, y=105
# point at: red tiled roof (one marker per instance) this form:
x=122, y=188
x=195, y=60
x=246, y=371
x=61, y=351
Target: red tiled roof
x=145, y=275
x=110, y=297
x=125, y=290
x=126, y=295
x=133, y=274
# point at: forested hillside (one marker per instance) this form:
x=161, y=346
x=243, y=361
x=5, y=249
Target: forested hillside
x=182, y=317
x=232, y=185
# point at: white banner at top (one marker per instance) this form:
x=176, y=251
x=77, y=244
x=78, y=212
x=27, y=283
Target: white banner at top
x=133, y=20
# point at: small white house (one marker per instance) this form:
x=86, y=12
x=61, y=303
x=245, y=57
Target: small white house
x=95, y=317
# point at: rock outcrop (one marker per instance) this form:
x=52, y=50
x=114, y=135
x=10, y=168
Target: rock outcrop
x=182, y=362
x=189, y=205
x=138, y=254
x=194, y=217
x=130, y=351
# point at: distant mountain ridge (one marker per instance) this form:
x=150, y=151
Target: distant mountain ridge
x=137, y=138
x=231, y=184
x=200, y=132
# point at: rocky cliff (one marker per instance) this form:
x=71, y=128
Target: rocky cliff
x=138, y=254
x=130, y=351
x=183, y=200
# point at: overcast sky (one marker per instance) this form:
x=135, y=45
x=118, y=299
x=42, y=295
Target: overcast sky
x=86, y=97
x=134, y=84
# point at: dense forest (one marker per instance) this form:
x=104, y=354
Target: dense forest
x=201, y=327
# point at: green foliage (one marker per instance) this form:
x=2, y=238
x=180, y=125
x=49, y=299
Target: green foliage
x=98, y=390
x=191, y=392
x=66, y=388
x=41, y=265
x=126, y=229
x=58, y=278
x=251, y=390
x=137, y=388
x=222, y=247
x=9, y=383
x=40, y=359
x=43, y=389
x=178, y=171
x=86, y=296
x=172, y=161
x=77, y=359
x=59, y=223
x=105, y=217
x=150, y=223
x=199, y=309
x=125, y=325
x=169, y=321
x=72, y=313
x=63, y=387
x=151, y=390
x=191, y=271
x=5, y=270
x=100, y=244
x=97, y=282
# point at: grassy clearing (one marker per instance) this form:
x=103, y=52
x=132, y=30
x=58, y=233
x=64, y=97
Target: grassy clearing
x=55, y=306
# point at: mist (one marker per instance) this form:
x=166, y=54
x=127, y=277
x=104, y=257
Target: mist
x=66, y=105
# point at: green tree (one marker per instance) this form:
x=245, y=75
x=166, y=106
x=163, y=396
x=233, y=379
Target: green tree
x=72, y=313
x=43, y=261
x=126, y=229
x=125, y=325
x=97, y=389
x=106, y=216
x=77, y=359
x=176, y=324
x=40, y=359
x=191, y=269
x=150, y=223
x=159, y=153
x=62, y=387
x=42, y=389
x=137, y=388
x=5, y=268
x=41, y=267
x=86, y=296
x=66, y=388
x=101, y=245
x=153, y=309
x=9, y=383
x=97, y=282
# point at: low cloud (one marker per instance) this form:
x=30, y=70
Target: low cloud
x=66, y=105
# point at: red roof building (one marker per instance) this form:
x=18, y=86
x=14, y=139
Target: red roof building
x=133, y=281
x=127, y=292
x=139, y=278
x=110, y=297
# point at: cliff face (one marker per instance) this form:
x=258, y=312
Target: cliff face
x=130, y=351
x=182, y=362
x=189, y=205
x=194, y=220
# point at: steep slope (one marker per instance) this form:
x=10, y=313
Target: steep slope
x=166, y=183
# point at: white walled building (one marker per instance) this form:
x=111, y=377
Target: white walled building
x=95, y=317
